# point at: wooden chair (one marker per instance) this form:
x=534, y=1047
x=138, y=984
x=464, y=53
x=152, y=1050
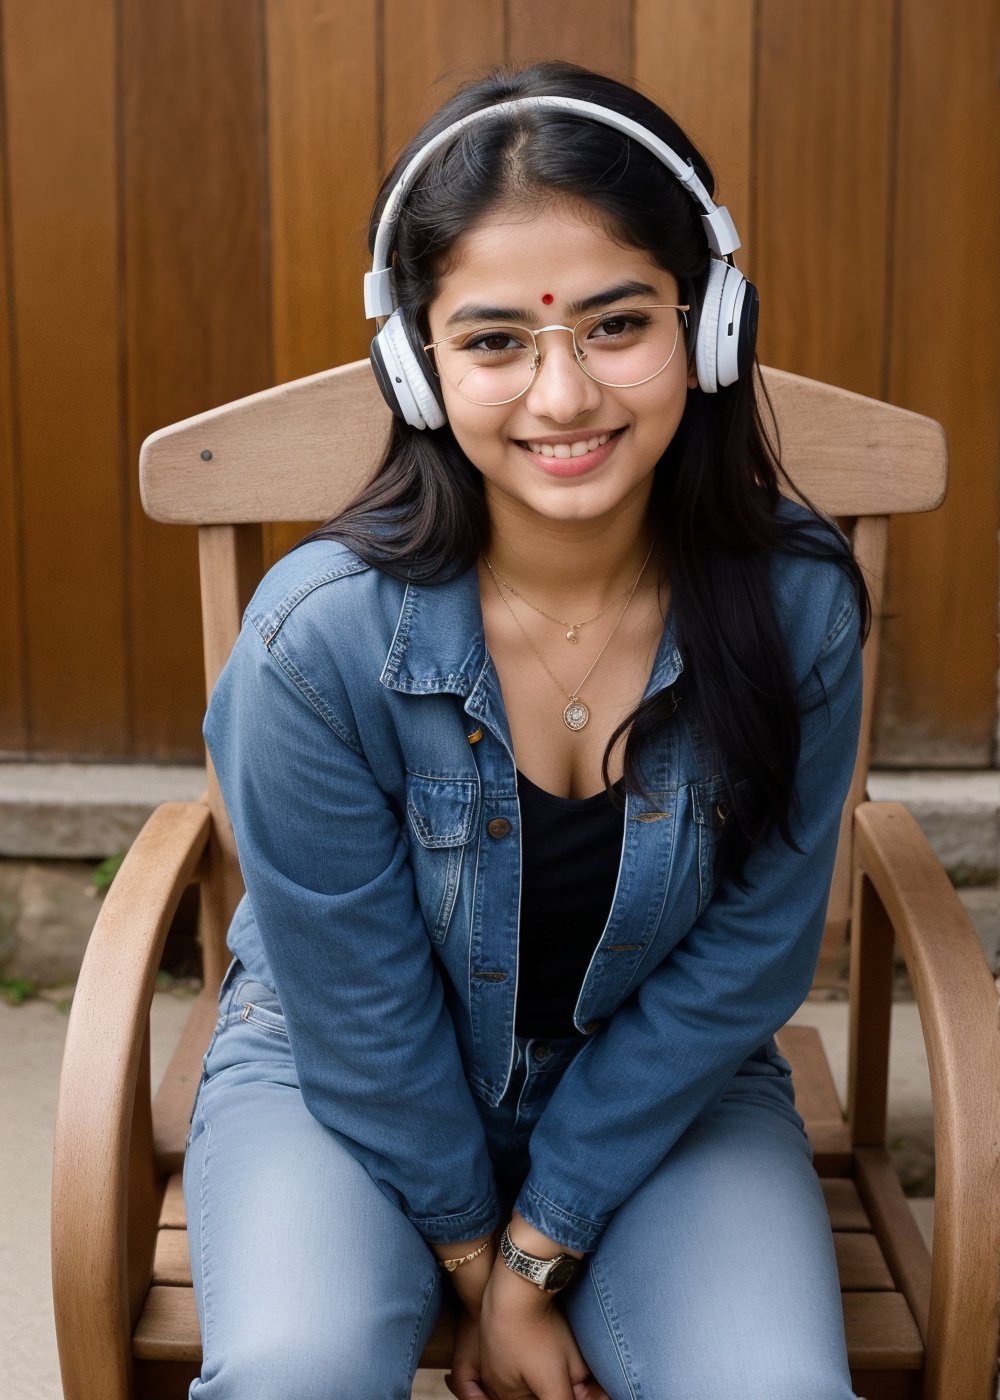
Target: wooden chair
x=917, y=1325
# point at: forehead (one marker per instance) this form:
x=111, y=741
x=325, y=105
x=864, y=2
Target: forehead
x=513, y=258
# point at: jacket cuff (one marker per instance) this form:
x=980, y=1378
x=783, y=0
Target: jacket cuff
x=482, y=1219
x=569, y=1230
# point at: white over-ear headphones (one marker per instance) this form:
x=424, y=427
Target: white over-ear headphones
x=727, y=320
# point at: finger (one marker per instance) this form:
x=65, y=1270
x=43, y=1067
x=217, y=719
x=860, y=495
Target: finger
x=464, y=1389
x=517, y=1388
x=589, y=1390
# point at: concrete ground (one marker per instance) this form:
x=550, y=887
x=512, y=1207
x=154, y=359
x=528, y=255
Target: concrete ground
x=31, y=1040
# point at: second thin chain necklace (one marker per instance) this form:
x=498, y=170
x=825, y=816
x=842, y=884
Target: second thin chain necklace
x=576, y=713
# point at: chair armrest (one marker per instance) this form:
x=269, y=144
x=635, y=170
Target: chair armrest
x=103, y=1182
x=960, y=1020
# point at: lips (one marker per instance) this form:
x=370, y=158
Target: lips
x=573, y=455
x=570, y=447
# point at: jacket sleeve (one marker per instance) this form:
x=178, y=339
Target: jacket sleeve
x=667, y=1054
x=330, y=890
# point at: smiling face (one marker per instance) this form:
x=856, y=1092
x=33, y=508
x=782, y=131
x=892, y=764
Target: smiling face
x=569, y=449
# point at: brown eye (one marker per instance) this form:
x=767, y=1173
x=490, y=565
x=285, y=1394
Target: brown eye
x=498, y=340
x=618, y=326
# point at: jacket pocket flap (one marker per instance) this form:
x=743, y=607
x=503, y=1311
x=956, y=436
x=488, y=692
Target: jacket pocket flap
x=710, y=802
x=441, y=810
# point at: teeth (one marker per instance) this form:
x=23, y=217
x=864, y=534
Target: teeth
x=566, y=449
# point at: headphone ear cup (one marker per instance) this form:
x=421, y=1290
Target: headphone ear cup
x=708, y=327
x=402, y=377
x=727, y=327
x=746, y=339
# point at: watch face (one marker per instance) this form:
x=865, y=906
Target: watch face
x=562, y=1272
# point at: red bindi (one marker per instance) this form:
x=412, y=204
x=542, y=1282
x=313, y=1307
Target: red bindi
x=548, y=298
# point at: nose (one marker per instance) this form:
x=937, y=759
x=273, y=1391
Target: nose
x=560, y=391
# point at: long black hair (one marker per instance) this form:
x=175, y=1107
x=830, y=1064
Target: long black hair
x=714, y=505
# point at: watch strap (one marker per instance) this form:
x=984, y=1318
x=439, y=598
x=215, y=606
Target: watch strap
x=550, y=1275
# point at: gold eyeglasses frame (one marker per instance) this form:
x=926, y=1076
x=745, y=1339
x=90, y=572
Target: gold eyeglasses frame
x=578, y=354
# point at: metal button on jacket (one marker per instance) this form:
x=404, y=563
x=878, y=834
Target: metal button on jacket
x=498, y=827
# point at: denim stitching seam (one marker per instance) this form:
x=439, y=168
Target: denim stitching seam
x=206, y=1288
x=316, y=701
x=615, y=1332
x=847, y=610
x=412, y=1360
x=569, y=1216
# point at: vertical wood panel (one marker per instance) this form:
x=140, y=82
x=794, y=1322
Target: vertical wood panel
x=594, y=33
x=13, y=717
x=695, y=57
x=823, y=166
x=323, y=142
x=60, y=65
x=198, y=317
x=323, y=155
x=429, y=50
x=941, y=641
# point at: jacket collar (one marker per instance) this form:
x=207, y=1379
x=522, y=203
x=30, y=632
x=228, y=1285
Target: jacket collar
x=439, y=644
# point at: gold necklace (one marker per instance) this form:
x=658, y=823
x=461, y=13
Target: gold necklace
x=576, y=714
x=572, y=628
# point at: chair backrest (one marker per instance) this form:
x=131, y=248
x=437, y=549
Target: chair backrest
x=303, y=450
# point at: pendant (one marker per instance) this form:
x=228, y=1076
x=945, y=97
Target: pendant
x=576, y=714
x=571, y=634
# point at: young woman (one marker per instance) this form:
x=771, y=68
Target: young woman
x=535, y=758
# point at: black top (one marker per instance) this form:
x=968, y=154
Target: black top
x=570, y=851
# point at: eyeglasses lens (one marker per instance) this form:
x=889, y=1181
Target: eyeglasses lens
x=496, y=364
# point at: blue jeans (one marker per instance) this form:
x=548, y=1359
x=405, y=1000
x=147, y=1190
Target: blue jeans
x=715, y=1280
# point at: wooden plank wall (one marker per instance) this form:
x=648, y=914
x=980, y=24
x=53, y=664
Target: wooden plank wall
x=185, y=191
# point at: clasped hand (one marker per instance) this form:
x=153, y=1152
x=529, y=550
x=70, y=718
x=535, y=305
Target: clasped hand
x=512, y=1341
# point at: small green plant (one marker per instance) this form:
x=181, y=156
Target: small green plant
x=105, y=872
x=15, y=990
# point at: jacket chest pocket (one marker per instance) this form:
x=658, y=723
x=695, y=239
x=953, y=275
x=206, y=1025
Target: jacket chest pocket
x=711, y=812
x=441, y=814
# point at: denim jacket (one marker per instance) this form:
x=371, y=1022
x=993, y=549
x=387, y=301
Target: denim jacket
x=360, y=739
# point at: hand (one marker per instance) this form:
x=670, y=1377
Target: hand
x=526, y=1348
x=464, y=1379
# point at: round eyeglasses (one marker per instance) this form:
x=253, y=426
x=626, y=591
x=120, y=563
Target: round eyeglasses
x=495, y=364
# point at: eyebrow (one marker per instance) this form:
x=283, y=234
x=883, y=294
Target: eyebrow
x=474, y=312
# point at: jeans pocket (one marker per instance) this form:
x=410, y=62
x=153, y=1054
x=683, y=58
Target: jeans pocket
x=264, y=1018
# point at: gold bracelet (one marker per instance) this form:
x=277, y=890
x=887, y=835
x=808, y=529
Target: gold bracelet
x=452, y=1264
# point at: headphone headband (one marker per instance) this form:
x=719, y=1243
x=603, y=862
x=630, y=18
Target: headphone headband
x=716, y=220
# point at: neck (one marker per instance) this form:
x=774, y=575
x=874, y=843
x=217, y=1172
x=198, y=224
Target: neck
x=576, y=561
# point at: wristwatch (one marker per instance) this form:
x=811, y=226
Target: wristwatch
x=547, y=1274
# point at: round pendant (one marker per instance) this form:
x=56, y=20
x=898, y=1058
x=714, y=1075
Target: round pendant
x=576, y=714
x=571, y=635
